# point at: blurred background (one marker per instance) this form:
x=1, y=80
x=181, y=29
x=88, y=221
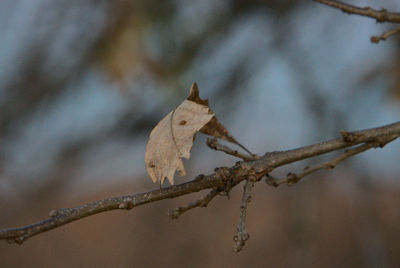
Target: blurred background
x=82, y=83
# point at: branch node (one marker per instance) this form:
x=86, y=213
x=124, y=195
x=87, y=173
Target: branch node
x=292, y=178
x=58, y=212
x=330, y=166
x=126, y=205
x=173, y=214
x=271, y=181
x=351, y=137
x=53, y=213
x=226, y=177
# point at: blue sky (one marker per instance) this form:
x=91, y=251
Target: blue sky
x=268, y=114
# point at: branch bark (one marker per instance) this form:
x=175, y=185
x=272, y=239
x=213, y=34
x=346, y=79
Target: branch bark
x=379, y=15
x=221, y=179
x=384, y=36
x=293, y=178
x=202, y=202
x=241, y=234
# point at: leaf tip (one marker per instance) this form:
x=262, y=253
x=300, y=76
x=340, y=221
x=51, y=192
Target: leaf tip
x=195, y=96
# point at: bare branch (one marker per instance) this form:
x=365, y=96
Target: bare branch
x=213, y=144
x=380, y=15
x=220, y=179
x=293, y=178
x=202, y=202
x=242, y=235
x=65, y=215
x=384, y=36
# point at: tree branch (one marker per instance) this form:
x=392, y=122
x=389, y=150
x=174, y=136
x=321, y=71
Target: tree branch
x=384, y=36
x=223, y=177
x=202, y=202
x=380, y=15
x=293, y=178
x=213, y=144
x=242, y=235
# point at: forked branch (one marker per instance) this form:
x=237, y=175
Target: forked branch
x=293, y=178
x=221, y=179
x=380, y=16
x=202, y=202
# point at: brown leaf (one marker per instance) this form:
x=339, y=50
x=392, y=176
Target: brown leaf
x=213, y=127
x=172, y=138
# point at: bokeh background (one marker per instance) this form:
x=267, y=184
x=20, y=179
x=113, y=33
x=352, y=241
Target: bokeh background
x=82, y=83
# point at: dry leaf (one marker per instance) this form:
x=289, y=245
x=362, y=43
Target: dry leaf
x=172, y=138
x=214, y=127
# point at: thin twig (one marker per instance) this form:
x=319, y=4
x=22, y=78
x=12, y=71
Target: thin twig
x=380, y=15
x=215, y=145
x=244, y=148
x=384, y=36
x=202, y=202
x=237, y=173
x=293, y=178
x=242, y=235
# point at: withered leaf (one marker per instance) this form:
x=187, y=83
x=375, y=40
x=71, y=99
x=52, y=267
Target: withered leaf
x=214, y=127
x=172, y=138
